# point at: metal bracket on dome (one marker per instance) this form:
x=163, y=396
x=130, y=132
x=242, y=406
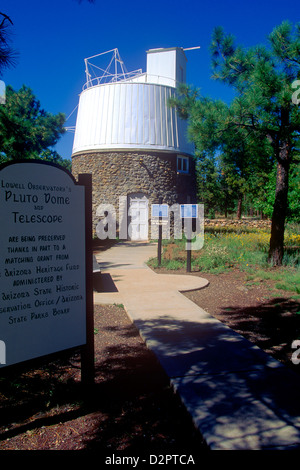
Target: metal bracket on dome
x=114, y=72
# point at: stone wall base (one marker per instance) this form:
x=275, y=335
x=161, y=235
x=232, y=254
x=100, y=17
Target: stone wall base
x=152, y=175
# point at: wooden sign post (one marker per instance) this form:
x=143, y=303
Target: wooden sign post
x=46, y=263
x=87, y=353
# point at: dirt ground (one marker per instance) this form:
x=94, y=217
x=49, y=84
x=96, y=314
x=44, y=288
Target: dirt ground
x=267, y=316
x=131, y=408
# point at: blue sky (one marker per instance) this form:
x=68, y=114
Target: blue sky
x=52, y=38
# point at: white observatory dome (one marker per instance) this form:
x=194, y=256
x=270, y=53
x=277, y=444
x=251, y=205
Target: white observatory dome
x=130, y=111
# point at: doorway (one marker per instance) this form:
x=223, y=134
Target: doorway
x=138, y=217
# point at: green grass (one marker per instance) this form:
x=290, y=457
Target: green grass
x=285, y=278
x=244, y=248
x=119, y=306
x=172, y=265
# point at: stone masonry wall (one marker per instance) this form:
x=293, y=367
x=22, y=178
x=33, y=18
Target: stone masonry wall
x=117, y=174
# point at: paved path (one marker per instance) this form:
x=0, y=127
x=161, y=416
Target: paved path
x=239, y=397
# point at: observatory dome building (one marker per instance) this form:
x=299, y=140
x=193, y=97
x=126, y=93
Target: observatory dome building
x=130, y=140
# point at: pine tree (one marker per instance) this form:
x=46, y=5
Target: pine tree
x=7, y=54
x=263, y=116
x=263, y=80
x=27, y=130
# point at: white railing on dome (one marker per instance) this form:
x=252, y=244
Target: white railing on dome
x=114, y=72
x=112, y=78
x=131, y=77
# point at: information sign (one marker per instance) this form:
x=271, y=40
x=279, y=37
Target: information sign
x=42, y=252
x=160, y=210
x=189, y=211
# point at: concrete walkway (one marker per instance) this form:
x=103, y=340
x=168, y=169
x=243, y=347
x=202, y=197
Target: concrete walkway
x=239, y=397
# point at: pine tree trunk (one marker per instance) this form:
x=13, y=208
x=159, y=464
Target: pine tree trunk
x=239, y=208
x=226, y=207
x=280, y=207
